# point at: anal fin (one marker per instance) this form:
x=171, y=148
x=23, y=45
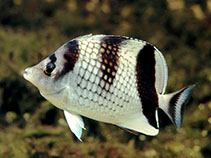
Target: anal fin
x=138, y=124
x=75, y=123
x=129, y=130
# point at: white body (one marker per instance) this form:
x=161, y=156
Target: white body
x=80, y=92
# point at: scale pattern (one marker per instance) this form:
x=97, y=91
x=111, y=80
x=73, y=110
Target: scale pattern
x=105, y=77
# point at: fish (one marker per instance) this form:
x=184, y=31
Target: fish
x=113, y=79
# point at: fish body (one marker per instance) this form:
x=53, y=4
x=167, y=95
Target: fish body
x=112, y=79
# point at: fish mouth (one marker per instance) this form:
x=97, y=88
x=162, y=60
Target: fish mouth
x=30, y=72
x=27, y=73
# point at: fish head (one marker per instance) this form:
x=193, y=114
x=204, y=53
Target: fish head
x=44, y=74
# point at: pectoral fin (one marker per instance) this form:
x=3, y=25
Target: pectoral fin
x=75, y=123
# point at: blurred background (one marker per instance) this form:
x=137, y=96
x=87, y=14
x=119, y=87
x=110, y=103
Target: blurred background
x=31, y=30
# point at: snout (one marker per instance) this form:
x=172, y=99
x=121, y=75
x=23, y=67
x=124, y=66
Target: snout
x=27, y=73
x=31, y=73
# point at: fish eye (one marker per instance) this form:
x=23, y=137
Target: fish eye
x=49, y=68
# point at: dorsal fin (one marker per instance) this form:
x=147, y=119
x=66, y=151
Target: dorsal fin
x=161, y=72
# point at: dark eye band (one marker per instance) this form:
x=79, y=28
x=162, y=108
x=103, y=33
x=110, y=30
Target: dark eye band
x=49, y=68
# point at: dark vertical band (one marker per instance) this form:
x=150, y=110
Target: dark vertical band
x=173, y=104
x=145, y=74
x=109, y=58
x=70, y=56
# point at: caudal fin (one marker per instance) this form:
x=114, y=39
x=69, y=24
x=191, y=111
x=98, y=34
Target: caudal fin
x=173, y=104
